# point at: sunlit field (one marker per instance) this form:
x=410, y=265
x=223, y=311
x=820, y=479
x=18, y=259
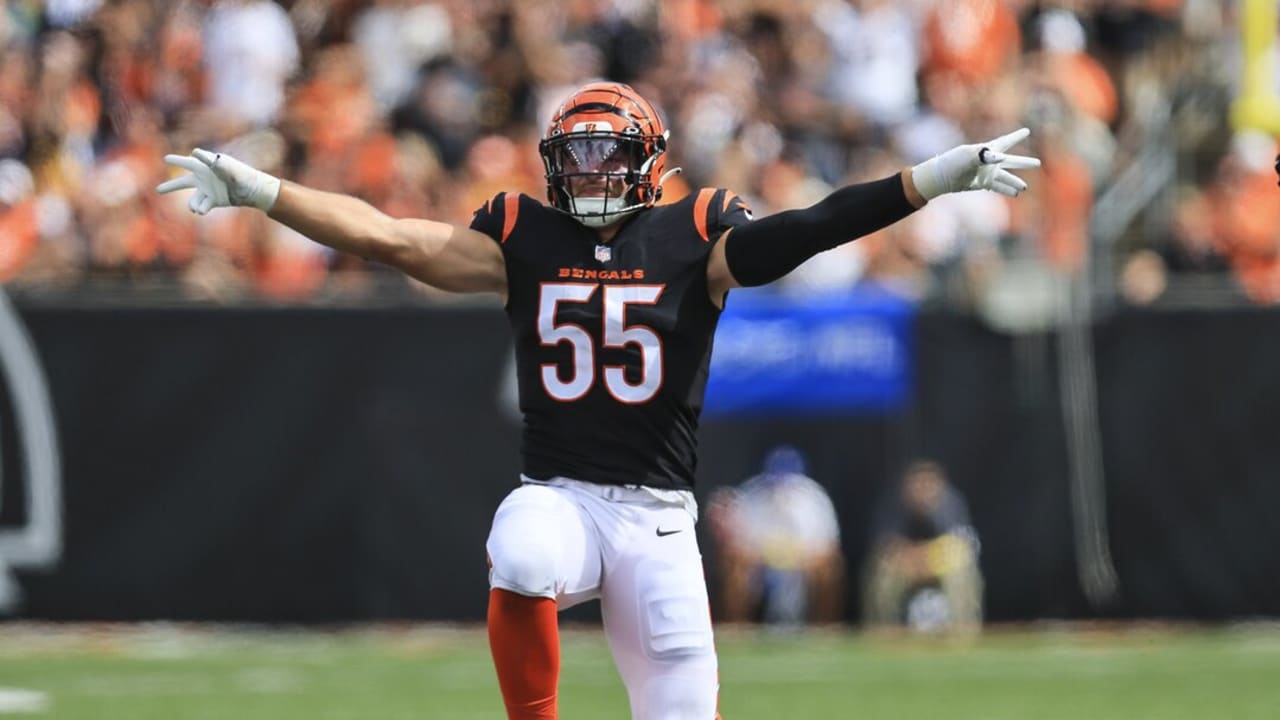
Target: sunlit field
x=167, y=672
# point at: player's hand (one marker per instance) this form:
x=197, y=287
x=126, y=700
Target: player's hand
x=980, y=166
x=220, y=181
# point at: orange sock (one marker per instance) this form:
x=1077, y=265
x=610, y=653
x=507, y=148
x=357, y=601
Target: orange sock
x=525, y=641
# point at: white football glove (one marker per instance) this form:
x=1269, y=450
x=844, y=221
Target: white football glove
x=220, y=181
x=982, y=166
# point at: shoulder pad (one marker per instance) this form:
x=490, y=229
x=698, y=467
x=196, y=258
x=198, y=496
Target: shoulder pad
x=497, y=218
x=716, y=210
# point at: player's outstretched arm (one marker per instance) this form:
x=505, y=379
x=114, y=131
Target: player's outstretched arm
x=764, y=250
x=445, y=256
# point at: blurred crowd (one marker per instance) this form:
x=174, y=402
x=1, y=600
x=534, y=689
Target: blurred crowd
x=429, y=108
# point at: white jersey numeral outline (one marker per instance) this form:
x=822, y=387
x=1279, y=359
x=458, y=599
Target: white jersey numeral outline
x=617, y=334
x=551, y=334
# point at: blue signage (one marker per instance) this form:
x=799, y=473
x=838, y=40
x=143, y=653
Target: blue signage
x=834, y=353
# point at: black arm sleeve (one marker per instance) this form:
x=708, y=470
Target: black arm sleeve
x=762, y=251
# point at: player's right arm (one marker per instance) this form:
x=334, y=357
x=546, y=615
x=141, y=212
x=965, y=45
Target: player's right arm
x=449, y=257
x=442, y=255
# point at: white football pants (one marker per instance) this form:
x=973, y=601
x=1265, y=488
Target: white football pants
x=635, y=549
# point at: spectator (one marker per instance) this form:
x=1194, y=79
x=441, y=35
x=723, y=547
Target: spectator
x=1247, y=219
x=976, y=39
x=250, y=52
x=776, y=99
x=19, y=230
x=876, y=58
x=778, y=546
x=1192, y=257
x=923, y=567
x=395, y=37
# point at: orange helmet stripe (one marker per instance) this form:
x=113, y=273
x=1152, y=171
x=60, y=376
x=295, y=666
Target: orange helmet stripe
x=616, y=99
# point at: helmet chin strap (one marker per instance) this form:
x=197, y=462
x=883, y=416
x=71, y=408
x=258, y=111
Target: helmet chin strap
x=599, y=212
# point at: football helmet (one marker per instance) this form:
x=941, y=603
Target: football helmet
x=603, y=153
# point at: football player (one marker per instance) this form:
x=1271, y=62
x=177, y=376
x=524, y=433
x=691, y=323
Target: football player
x=613, y=301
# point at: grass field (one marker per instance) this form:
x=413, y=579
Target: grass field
x=178, y=672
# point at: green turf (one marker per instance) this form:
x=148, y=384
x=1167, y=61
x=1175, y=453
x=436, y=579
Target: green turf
x=168, y=673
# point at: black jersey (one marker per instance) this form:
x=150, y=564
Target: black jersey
x=613, y=341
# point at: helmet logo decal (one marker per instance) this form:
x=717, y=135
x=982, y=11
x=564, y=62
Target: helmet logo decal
x=593, y=126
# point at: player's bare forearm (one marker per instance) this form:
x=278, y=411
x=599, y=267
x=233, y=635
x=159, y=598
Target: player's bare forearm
x=448, y=257
x=340, y=221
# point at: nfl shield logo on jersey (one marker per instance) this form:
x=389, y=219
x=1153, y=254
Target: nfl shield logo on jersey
x=604, y=253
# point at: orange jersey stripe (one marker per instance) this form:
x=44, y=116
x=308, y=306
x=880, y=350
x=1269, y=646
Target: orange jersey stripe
x=700, y=206
x=510, y=210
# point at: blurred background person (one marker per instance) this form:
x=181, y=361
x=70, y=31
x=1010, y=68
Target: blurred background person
x=923, y=571
x=777, y=544
x=780, y=100
x=250, y=52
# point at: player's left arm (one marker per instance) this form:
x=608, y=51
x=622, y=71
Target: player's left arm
x=764, y=250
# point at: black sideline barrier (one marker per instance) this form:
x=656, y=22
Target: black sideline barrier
x=337, y=465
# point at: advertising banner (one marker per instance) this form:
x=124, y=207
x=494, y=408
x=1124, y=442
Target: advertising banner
x=846, y=353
